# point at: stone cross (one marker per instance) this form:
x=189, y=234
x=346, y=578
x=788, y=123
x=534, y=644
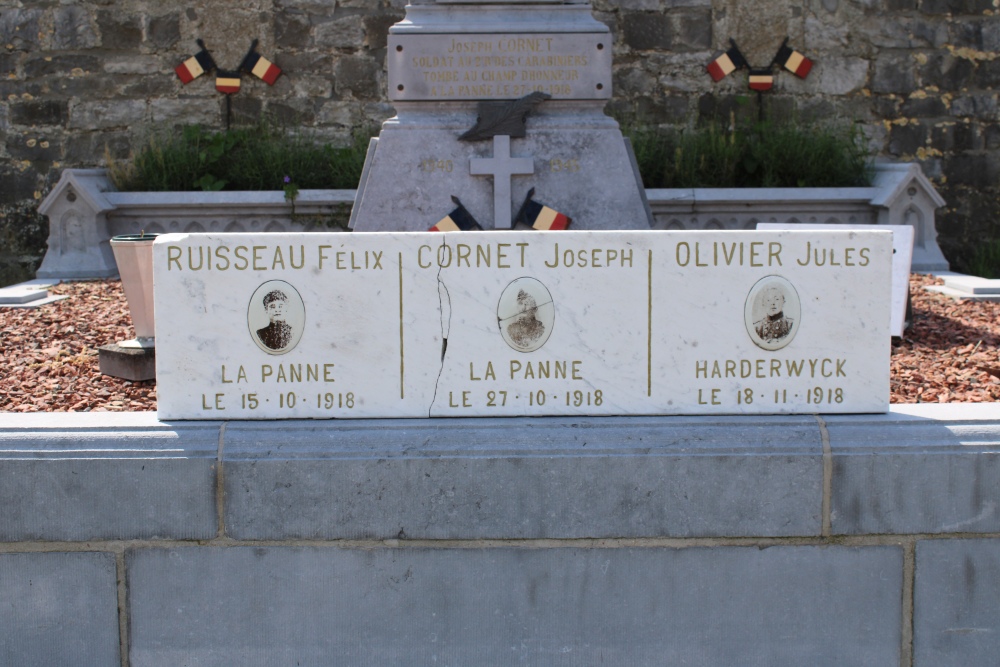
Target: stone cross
x=501, y=167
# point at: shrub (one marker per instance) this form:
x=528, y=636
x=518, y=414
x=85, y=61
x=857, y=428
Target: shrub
x=761, y=155
x=985, y=260
x=265, y=156
x=24, y=235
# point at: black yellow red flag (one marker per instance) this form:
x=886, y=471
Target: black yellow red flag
x=459, y=220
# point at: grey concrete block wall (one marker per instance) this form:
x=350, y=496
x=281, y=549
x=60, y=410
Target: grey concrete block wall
x=782, y=606
x=957, y=603
x=558, y=478
x=58, y=609
x=800, y=540
x=918, y=475
x=93, y=477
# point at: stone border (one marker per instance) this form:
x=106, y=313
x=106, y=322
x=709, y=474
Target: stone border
x=126, y=476
x=84, y=213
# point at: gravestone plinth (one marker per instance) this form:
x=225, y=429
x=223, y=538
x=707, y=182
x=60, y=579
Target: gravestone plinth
x=446, y=61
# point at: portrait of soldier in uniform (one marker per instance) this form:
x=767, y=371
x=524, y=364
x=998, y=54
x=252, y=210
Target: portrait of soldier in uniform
x=278, y=333
x=276, y=317
x=526, y=327
x=526, y=314
x=772, y=313
x=775, y=325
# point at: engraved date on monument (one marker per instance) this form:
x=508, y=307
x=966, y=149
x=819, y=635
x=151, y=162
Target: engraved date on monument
x=811, y=396
x=501, y=398
x=570, y=165
x=432, y=166
x=282, y=400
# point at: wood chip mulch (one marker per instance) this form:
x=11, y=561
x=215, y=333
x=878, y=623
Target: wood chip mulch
x=48, y=355
x=950, y=353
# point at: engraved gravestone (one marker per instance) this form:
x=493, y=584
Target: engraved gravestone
x=326, y=325
x=544, y=68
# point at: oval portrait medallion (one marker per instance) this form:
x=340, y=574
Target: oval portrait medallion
x=276, y=317
x=526, y=314
x=772, y=313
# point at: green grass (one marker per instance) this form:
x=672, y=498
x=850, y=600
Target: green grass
x=257, y=157
x=762, y=155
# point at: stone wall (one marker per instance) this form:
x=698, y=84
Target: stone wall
x=840, y=541
x=81, y=80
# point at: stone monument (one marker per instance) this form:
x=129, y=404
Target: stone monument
x=457, y=68
x=500, y=104
x=463, y=324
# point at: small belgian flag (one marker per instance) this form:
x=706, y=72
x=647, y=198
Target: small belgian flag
x=195, y=66
x=761, y=79
x=260, y=67
x=727, y=63
x=458, y=220
x=793, y=61
x=227, y=82
x=539, y=216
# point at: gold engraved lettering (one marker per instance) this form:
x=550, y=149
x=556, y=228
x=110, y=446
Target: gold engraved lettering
x=815, y=256
x=242, y=262
x=571, y=165
x=466, y=400
x=471, y=46
x=222, y=255
x=222, y=258
x=463, y=251
x=257, y=258
x=217, y=405
x=462, y=255
x=736, y=253
x=501, y=255
x=545, y=370
x=173, y=257
x=769, y=368
x=597, y=258
x=489, y=374
x=482, y=255
x=278, y=259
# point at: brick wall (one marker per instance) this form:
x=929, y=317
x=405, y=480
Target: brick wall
x=918, y=75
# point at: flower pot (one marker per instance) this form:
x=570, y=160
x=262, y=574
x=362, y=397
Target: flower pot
x=134, y=257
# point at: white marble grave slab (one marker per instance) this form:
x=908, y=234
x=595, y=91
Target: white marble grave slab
x=348, y=300
x=17, y=294
x=664, y=323
x=973, y=284
x=522, y=323
x=902, y=259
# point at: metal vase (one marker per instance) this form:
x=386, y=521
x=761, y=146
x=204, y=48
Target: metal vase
x=134, y=256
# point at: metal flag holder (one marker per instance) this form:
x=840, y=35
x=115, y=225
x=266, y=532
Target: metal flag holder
x=228, y=82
